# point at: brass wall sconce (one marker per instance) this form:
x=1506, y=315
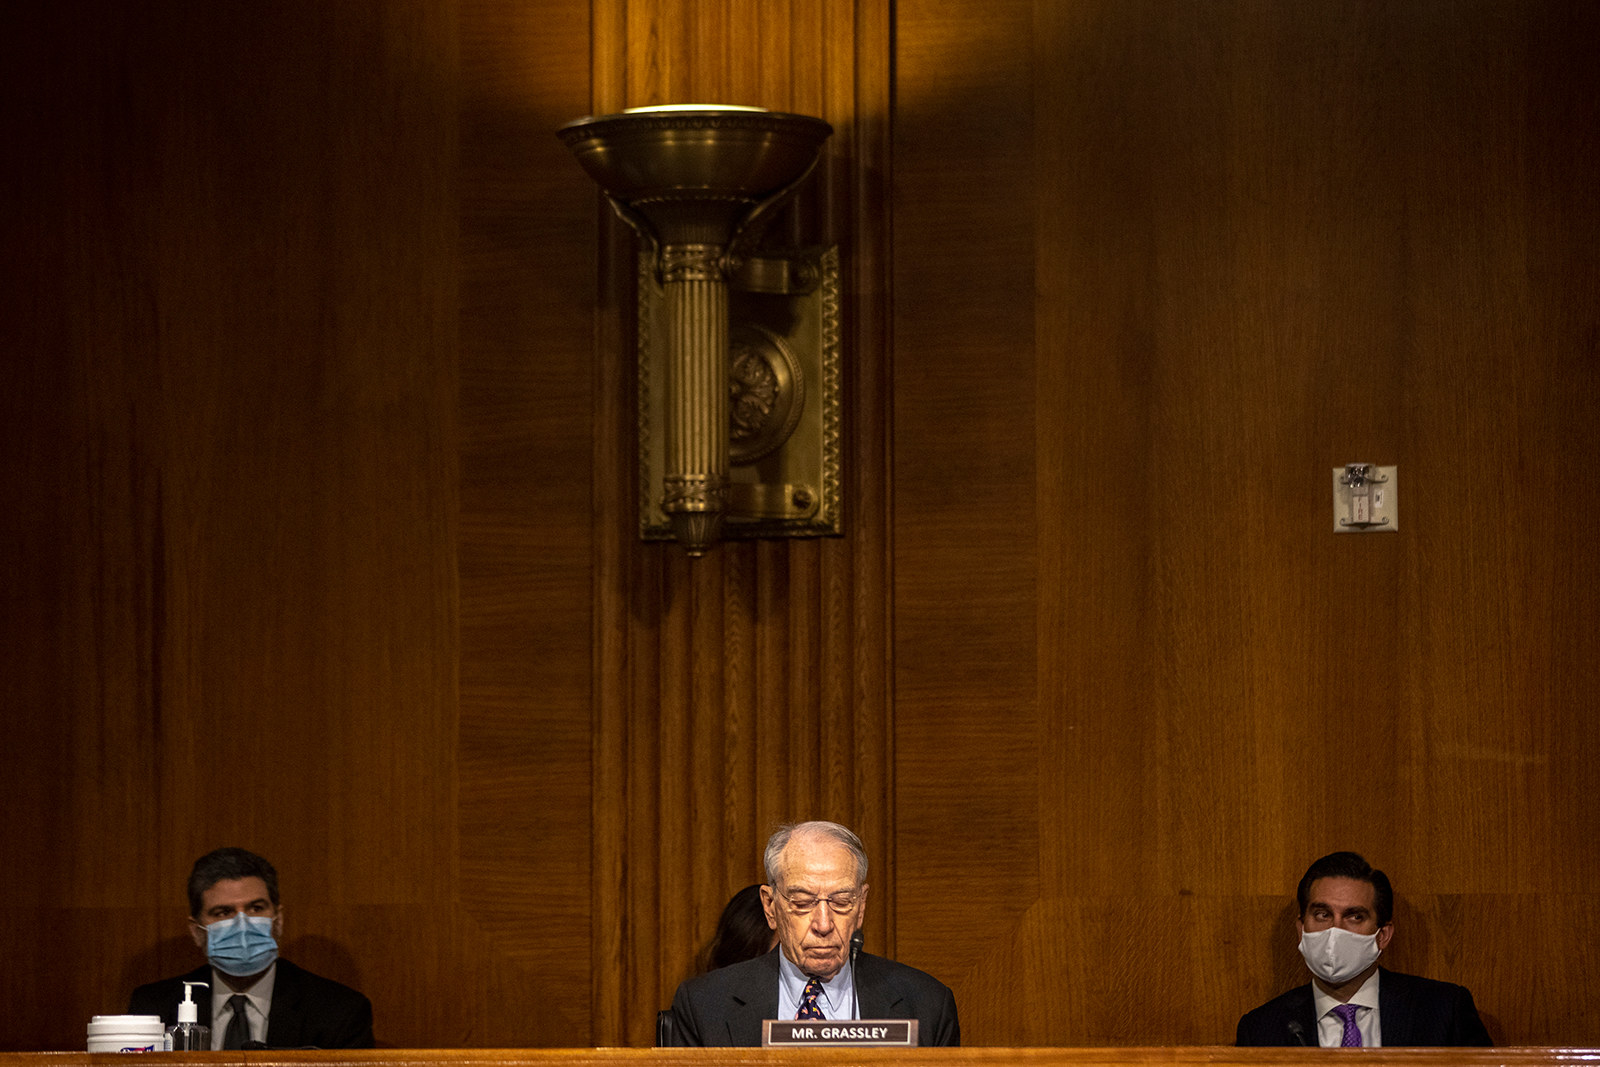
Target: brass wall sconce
x=738, y=347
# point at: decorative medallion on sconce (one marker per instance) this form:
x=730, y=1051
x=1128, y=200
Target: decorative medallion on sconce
x=737, y=345
x=784, y=421
x=766, y=389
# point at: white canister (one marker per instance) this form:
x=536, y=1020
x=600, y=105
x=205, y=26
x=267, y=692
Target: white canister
x=126, y=1033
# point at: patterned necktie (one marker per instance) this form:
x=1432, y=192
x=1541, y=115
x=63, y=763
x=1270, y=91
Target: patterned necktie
x=238, y=1031
x=809, y=1008
x=1352, y=1034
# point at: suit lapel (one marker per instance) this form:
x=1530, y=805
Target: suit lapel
x=1304, y=1008
x=283, y=1018
x=1396, y=1013
x=876, y=996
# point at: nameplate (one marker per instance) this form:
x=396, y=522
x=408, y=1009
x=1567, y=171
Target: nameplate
x=786, y=1033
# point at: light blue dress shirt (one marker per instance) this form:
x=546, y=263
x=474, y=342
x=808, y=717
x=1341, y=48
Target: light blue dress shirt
x=837, y=999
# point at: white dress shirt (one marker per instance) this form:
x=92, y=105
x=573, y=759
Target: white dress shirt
x=255, y=1012
x=1330, y=1028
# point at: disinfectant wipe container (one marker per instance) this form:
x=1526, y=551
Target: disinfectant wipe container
x=126, y=1033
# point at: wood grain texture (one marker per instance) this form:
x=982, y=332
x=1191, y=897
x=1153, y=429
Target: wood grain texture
x=527, y=539
x=233, y=588
x=319, y=441
x=1163, y=267
x=750, y=688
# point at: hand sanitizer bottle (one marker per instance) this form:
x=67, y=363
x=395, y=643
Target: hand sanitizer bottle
x=187, y=1035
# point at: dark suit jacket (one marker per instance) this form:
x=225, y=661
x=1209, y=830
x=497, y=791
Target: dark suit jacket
x=727, y=1006
x=307, y=1010
x=1411, y=1011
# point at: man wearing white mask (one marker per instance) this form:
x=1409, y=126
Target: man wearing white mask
x=1346, y=921
x=256, y=997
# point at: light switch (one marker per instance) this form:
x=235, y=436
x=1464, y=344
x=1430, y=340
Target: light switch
x=1365, y=499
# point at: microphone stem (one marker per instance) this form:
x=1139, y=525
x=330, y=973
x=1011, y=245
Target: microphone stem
x=855, y=989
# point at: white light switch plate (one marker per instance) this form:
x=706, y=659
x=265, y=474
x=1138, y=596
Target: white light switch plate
x=1383, y=515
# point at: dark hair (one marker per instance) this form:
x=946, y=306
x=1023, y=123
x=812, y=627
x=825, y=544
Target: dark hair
x=1349, y=865
x=742, y=932
x=226, y=864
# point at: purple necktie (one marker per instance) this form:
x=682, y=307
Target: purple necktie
x=1352, y=1034
x=809, y=1008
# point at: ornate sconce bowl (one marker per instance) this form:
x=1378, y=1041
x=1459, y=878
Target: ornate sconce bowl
x=697, y=182
x=694, y=172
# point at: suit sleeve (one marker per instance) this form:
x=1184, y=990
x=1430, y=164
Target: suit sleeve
x=1259, y=1028
x=1247, y=1034
x=147, y=1000
x=352, y=1027
x=684, y=1029
x=946, y=1023
x=1466, y=1027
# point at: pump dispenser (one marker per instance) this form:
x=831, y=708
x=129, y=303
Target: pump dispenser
x=187, y=1035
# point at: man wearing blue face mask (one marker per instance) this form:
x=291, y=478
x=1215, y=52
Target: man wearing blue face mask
x=256, y=997
x=1346, y=922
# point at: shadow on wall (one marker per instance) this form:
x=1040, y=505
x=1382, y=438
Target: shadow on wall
x=166, y=958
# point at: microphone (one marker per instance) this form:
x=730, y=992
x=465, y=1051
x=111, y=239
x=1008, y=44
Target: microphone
x=855, y=989
x=1298, y=1031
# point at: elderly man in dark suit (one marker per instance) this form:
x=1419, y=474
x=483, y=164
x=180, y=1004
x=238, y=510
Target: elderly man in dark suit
x=256, y=998
x=815, y=899
x=1346, y=921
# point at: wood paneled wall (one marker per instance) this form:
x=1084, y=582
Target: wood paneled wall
x=323, y=539
x=230, y=429
x=318, y=533
x=527, y=539
x=1163, y=266
x=749, y=688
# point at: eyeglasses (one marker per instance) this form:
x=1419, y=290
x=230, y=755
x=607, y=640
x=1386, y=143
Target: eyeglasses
x=806, y=903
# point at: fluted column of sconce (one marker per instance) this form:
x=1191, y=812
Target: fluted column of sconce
x=691, y=179
x=695, y=489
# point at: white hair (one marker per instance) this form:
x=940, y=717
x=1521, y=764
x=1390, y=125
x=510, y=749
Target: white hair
x=833, y=831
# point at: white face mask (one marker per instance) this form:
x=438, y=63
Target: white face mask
x=1336, y=955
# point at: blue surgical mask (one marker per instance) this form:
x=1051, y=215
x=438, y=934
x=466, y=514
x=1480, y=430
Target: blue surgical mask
x=242, y=945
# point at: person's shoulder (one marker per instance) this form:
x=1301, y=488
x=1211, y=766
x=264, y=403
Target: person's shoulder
x=309, y=1010
x=1290, y=1002
x=1433, y=1012
x=902, y=974
x=201, y=973
x=1416, y=985
x=312, y=984
x=154, y=996
x=741, y=975
x=1271, y=1023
